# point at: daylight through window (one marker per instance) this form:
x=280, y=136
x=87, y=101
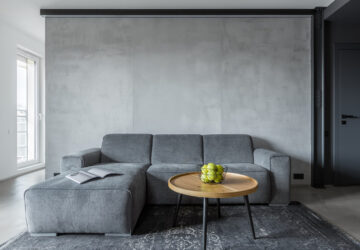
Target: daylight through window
x=27, y=104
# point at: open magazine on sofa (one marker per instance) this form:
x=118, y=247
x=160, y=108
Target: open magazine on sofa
x=95, y=173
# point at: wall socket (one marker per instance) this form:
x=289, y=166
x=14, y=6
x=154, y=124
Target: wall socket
x=298, y=176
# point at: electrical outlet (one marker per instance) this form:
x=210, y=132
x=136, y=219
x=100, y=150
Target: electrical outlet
x=298, y=176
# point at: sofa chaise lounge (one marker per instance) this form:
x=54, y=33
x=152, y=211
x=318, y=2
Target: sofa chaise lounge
x=113, y=205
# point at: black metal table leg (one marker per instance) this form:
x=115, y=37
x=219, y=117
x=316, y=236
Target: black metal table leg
x=246, y=198
x=218, y=207
x=177, y=209
x=205, y=204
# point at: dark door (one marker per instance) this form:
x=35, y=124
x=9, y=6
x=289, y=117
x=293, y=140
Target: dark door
x=346, y=162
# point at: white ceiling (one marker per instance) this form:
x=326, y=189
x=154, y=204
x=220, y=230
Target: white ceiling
x=24, y=14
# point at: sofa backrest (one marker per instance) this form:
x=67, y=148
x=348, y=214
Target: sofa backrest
x=234, y=148
x=129, y=148
x=184, y=149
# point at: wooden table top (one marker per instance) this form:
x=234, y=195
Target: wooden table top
x=233, y=185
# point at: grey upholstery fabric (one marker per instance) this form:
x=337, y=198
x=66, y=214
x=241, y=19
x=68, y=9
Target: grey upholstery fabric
x=113, y=205
x=81, y=159
x=124, y=166
x=244, y=167
x=175, y=168
x=228, y=149
x=110, y=205
x=262, y=175
x=279, y=167
x=157, y=178
x=135, y=148
x=185, y=149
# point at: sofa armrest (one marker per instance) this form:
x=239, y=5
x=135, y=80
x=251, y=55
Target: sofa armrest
x=81, y=159
x=279, y=167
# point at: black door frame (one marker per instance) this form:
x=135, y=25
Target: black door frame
x=318, y=97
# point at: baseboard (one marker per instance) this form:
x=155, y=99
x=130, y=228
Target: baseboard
x=117, y=235
x=24, y=171
x=43, y=234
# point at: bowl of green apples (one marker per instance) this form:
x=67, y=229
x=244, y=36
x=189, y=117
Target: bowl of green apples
x=212, y=173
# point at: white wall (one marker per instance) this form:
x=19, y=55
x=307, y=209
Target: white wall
x=179, y=75
x=10, y=39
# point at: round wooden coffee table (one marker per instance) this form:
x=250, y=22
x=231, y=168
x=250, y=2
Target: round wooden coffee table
x=234, y=185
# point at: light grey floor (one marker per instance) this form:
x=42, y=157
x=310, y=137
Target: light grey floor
x=12, y=218
x=338, y=205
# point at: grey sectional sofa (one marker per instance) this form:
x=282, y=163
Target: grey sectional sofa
x=113, y=205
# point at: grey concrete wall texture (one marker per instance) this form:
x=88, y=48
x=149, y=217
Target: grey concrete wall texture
x=179, y=75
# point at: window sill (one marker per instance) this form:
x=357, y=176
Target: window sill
x=30, y=168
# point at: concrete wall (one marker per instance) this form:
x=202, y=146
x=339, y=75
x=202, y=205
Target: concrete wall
x=12, y=38
x=179, y=75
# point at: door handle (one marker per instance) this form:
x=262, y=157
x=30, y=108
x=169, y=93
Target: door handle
x=349, y=117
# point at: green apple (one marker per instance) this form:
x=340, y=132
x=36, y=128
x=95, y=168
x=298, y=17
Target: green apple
x=211, y=173
x=211, y=166
x=204, y=169
x=211, y=176
x=204, y=178
x=220, y=169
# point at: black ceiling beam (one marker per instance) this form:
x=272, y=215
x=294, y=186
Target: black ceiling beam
x=170, y=12
x=334, y=7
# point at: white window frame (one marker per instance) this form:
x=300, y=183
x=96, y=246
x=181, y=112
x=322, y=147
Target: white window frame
x=36, y=59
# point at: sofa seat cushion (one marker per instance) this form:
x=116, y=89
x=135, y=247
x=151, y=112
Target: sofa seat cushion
x=244, y=167
x=109, y=205
x=157, y=178
x=124, y=166
x=174, y=168
x=262, y=175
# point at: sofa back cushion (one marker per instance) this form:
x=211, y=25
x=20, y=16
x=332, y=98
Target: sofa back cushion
x=224, y=148
x=128, y=148
x=186, y=149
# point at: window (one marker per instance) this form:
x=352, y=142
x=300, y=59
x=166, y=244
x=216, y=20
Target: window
x=27, y=109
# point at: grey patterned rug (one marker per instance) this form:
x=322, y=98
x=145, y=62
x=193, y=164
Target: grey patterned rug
x=291, y=227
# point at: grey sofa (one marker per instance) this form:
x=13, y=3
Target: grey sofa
x=113, y=205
